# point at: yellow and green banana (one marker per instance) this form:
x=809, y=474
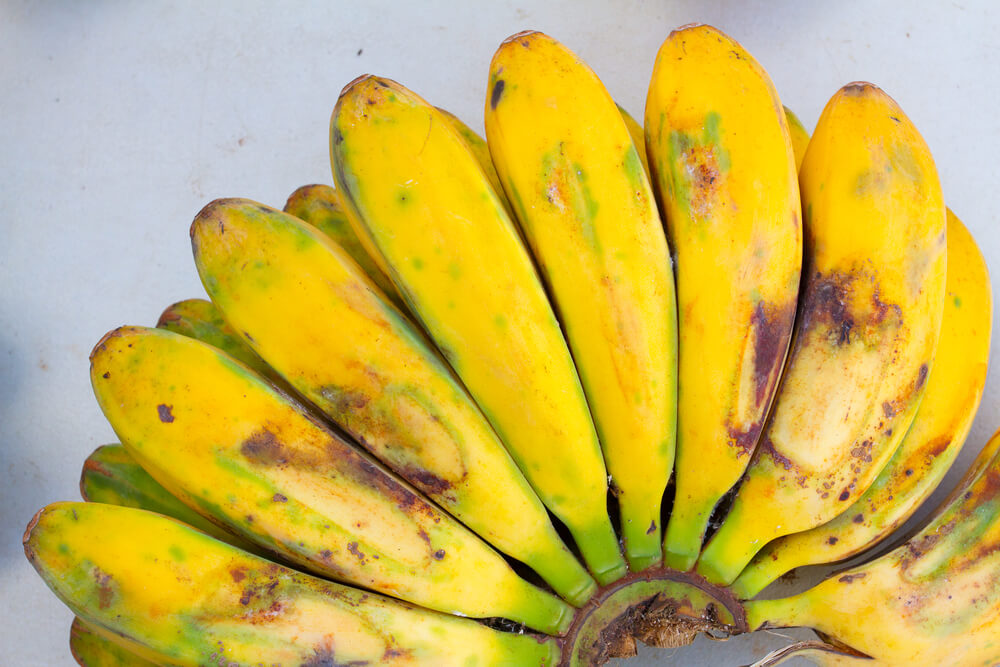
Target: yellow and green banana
x=423, y=203
x=799, y=135
x=92, y=649
x=873, y=298
x=320, y=206
x=174, y=596
x=638, y=136
x=231, y=446
x=954, y=389
x=303, y=305
x=935, y=600
x=723, y=165
x=565, y=156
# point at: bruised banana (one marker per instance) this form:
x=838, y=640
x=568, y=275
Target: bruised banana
x=110, y=475
x=871, y=309
x=565, y=156
x=303, y=305
x=954, y=389
x=320, y=206
x=725, y=173
x=91, y=648
x=174, y=596
x=421, y=199
x=933, y=601
x=232, y=447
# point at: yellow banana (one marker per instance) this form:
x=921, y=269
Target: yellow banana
x=92, y=649
x=954, y=389
x=175, y=596
x=585, y=205
x=725, y=174
x=229, y=445
x=479, y=149
x=369, y=369
x=799, y=136
x=638, y=136
x=933, y=601
x=420, y=197
x=320, y=206
x=871, y=309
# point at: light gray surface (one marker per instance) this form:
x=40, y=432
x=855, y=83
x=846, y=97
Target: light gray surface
x=119, y=121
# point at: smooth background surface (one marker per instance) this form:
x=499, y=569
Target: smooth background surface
x=119, y=121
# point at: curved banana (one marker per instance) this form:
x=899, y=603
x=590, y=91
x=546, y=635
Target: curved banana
x=933, y=601
x=479, y=149
x=175, y=596
x=725, y=174
x=873, y=297
x=303, y=305
x=230, y=446
x=954, y=389
x=110, y=475
x=798, y=134
x=320, y=206
x=585, y=206
x=92, y=649
x=638, y=136
x=420, y=197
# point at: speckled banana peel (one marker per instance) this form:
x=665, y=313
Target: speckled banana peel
x=175, y=596
x=110, y=475
x=320, y=206
x=302, y=304
x=933, y=601
x=420, y=197
x=234, y=448
x=954, y=388
x=724, y=170
x=567, y=159
x=871, y=308
x=90, y=648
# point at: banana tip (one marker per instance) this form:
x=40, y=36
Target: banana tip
x=356, y=82
x=25, y=541
x=520, y=35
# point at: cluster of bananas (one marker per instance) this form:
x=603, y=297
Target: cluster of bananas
x=433, y=381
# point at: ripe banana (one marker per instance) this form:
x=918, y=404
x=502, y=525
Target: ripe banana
x=92, y=649
x=584, y=203
x=724, y=169
x=420, y=197
x=363, y=364
x=638, y=136
x=954, y=389
x=232, y=447
x=320, y=206
x=175, y=596
x=110, y=475
x=799, y=136
x=933, y=601
x=873, y=297
x=479, y=149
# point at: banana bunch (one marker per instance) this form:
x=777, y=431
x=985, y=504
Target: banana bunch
x=532, y=399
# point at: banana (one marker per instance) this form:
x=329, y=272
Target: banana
x=479, y=149
x=798, y=134
x=954, y=389
x=232, y=447
x=873, y=298
x=420, y=197
x=320, y=206
x=175, y=596
x=934, y=600
x=638, y=136
x=92, y=649
x=110, y=475
x=201, y=320
x=566, y=157
x=370, y=370
x=724, y=169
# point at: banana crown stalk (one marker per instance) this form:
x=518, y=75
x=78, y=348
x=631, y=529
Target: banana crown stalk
x=232, y=447
x=566, y=157
x=869, y=318
x=302, y=304
x=420, y=198
x=724, y=169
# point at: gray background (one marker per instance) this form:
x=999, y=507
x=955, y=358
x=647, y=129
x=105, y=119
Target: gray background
x=119, y=121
